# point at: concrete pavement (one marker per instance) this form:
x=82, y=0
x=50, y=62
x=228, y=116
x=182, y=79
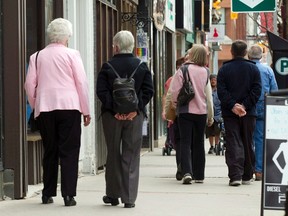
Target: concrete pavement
x=159, y=194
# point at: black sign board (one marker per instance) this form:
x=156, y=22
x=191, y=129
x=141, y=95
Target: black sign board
x=275, y=165
x=279, y=48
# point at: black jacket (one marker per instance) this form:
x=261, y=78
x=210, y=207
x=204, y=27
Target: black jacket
x=239, y=81
x=124, y=64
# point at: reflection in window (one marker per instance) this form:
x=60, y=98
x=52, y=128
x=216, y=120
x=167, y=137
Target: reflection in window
x=49, y=5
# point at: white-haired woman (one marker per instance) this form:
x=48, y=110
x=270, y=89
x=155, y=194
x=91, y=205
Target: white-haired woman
x=123, y=131
x=57, y=90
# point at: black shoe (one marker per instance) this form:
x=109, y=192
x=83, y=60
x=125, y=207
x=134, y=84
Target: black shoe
x=179, y=176
x=211, y=150
x=69, y=201
x=129, y=205
x=47, y=199
x=110, y=200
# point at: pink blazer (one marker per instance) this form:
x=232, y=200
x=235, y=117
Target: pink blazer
x=59, y=83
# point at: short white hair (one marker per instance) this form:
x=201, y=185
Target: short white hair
x=59, y=30
x=255, y=52
x=125, y=41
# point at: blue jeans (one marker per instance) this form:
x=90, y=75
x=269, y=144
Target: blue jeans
x=259, y=137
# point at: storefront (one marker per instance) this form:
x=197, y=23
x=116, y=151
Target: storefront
x=23, y=33
x=1, y=97
x=164, y=52
x=22, y=25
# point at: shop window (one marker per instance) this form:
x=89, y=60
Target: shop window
x=49, y=12
x=112, y=2
x=39, y=14
x=106, y=23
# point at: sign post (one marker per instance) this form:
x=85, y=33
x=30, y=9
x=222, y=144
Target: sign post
x=246, y=6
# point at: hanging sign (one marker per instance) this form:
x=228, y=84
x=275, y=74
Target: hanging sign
x=159, y=13
x=216, y=34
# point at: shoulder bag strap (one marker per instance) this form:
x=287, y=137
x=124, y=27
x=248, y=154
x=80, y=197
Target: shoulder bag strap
x=36, y=64
x=36, y=59
x=185, y=72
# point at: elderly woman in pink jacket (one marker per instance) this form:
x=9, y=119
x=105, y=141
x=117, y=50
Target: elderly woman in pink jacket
x=57, y=90
x=193, y=117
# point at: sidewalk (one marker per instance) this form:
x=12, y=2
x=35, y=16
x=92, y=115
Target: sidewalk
x=159, y=194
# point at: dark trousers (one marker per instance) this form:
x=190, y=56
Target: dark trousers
x=124, y=141
x=239, y=154
x=60, y=131
x=177, y=142
x=192, y=128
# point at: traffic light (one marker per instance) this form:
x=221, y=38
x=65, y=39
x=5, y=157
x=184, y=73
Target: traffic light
x=216, y=4
x=216, y=14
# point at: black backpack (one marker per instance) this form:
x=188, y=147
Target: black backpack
x=125, y=98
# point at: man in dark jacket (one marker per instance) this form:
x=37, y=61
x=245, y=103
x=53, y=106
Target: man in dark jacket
x=123, y=131
x=239, y=88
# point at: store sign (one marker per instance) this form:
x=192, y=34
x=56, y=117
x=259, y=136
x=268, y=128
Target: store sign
x=184, y=15
x=281, y=66
x=275, y=167
x=170, y=14
x=246, y=6
x=187, y=18
x=216, y=34
x=142, y=45
x=159, y=14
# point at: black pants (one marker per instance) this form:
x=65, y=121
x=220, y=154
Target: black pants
x=61, y=132
x=192, y=128
x=177, y=142
x=239, y=154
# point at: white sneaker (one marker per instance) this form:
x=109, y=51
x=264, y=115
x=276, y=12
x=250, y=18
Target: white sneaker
x=187, y=179
x=235, y=183
x=247, y=182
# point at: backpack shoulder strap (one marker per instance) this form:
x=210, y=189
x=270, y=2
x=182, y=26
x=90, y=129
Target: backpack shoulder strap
x=136, y=69
x=113, y=69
